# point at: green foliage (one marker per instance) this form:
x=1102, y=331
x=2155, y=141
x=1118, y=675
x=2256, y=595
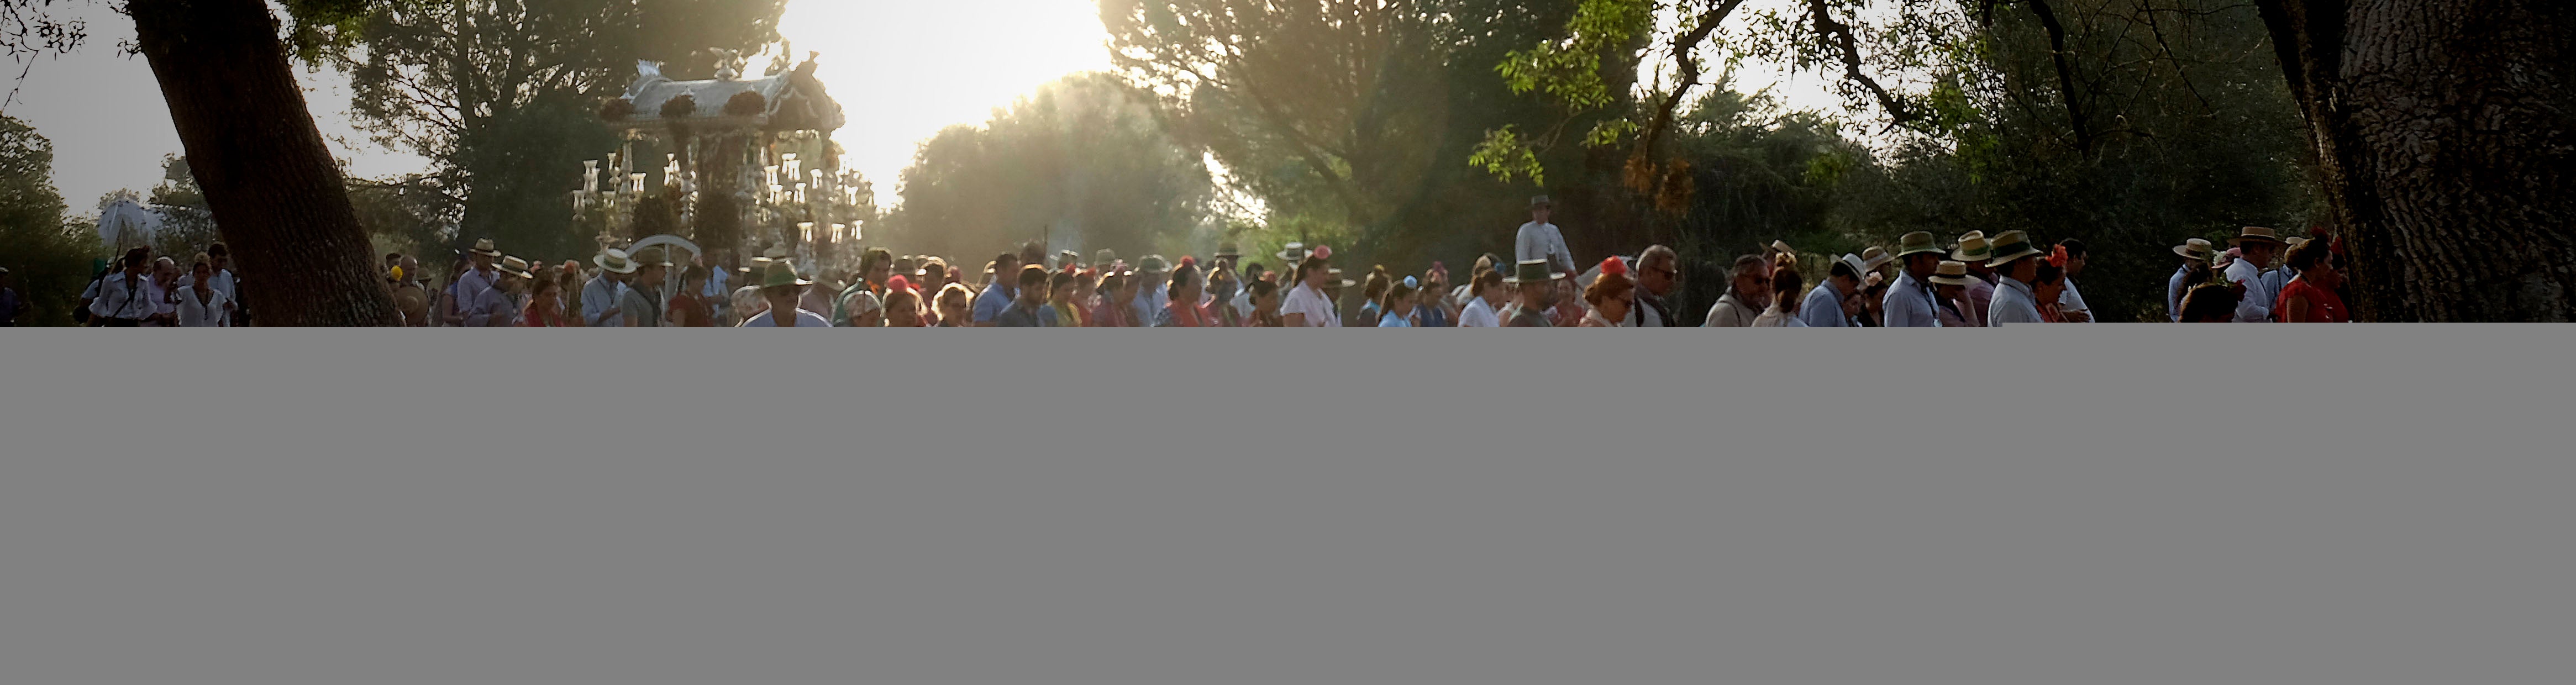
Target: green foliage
x=1504, y=155
x=187, y=225
x=49, y=259
x=1084, y=163
x=1569, y=69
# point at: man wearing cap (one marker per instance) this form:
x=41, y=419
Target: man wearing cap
x=2258, y=244
x=1534, y=294
x=1745, y=297
x=2194, y=252
x=782, y=288
x=600, y=296
x=499, y=306
x=1540, y=240
x=1910, y=300
x=999, y=293
x=641, y=303
x=1975, y=250
x=1829, y=304
x=1656, y=279
x=2018, y=262
x=470, y=285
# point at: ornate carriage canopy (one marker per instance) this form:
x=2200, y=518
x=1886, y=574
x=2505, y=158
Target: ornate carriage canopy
x=789, y=101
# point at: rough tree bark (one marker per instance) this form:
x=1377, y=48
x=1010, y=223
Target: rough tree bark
x=268, y=178
x=2443, y=131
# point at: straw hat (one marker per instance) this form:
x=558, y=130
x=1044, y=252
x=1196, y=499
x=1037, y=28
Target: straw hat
x=652, y=256
x=1950, y=273
x=1541, y=201
x=515, y=266
x=1918, y=242
x=614, y=260
x=2255, y=233
x=483, y=246
x=1335, y=273
x=1858, y=268
x=1103, y=258
x=1293, y=253
x=1783, y=248
x=1973, y=247
x=2194, y=249
x=1228, y=250
x=1153, y=264
x=1532, y=271
x=2294, y=241
x=1874, y=256
x=2012, y=245
x=781, y=273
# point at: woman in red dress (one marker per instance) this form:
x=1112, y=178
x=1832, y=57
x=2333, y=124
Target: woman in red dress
x=545, y=306
x=2311, y=297
x=687, y=308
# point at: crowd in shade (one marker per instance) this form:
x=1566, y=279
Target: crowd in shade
x=1975, y=280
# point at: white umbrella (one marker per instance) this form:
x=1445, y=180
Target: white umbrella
x=129, y=220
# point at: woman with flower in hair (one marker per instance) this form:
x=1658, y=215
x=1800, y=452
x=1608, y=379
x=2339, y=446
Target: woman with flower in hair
x=1608, y=296
x=902, y=304
x=1399, y=304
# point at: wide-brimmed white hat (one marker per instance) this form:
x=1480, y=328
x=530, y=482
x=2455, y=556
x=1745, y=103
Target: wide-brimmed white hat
x=1973, y=247
x=1951, y=272
x=1292, y=253
x=1860, y=269
x=1874, y=257
x=614, y=260
x=514, y=266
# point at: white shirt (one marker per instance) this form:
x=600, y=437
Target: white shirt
x=2014, y=303
x=162, y=302
x=1478, y=314
x=1543, y=241
x=209, y=313
x=2071, y=301
x=118, y=299
x=804, y=319
x=2257, y=305
x=1304, y=299
x=222, y=280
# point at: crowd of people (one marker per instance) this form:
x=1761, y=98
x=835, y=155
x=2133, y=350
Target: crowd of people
x=1974, y=281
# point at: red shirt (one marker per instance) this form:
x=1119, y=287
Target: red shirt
x=688, y=310
x=2323, y=305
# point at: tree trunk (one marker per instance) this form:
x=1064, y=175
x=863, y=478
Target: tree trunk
x=2443, y=131
x=275, y=192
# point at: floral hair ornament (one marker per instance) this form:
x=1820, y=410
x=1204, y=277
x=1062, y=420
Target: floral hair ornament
x=2058, y=258
x=1323, y=252
x=1614, y=265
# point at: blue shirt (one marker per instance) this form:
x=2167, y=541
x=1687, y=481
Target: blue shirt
x=597, y=297
x=990, y=304
x=1824, y=307
x=1909, y=304
x=1016, y=316
x=1393, y=320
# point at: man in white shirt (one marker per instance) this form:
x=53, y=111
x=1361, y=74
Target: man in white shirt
x=782, y=288
x=2258, y=245
x=2018, y=262
x=600, y=297
x=1539, y=239
x=2070, y=304
x=222, y=259
x=124, y=297
x=164, y=291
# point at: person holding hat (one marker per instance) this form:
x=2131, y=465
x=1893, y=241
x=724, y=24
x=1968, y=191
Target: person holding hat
x=1536, y=282
x=1949, y=283
x=2196, y=254
x=639, y=305
x=2258, y=244
x=783, y=288
x=499, y=306
x=1978, y=253
x=1307, y=305
x=2017, y=261
x=601, y=296
x=1746, y=295
x=1542, y=241
x=1911, y=301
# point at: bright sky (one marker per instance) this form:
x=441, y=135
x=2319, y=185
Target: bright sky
x=902, y=70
